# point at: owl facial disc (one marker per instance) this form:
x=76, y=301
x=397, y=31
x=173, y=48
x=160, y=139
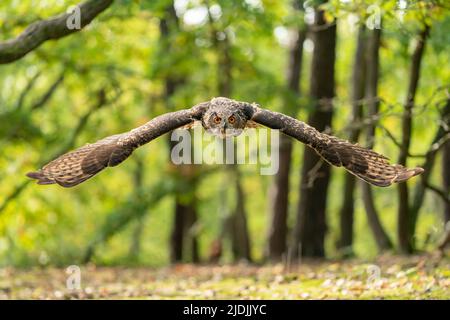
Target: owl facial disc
x=224, y=118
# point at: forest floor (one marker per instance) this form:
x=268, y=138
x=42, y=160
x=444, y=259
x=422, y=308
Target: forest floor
x=387, y=277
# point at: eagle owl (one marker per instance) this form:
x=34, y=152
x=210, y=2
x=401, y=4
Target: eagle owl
x=222, y=117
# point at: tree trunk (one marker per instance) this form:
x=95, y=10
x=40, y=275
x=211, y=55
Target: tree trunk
x=279, y=192
x=373, y=63
x=191, y=240
x=421, y=186
x=183, y=240
x=381, y=237
x=358, y=85
x=446, y=178
x=310, y=226
x=405, y=237
x=176, y=237
x=279, y=200
x=446, y=187
x=136, y=237
x=240, y=237
x=184, y=212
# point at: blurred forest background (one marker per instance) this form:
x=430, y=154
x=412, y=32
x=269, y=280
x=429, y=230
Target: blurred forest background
x=324, y=62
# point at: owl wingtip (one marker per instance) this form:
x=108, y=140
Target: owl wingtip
x=418, y=170
x=41, y=179
x=33, y=175
x=407, y=174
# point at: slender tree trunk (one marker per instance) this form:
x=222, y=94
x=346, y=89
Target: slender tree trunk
x=191, y=239
x=446, y=178
x=184, y=212
x=373, y=63
x=183, y=240
x=405, y=237
x=136, y=237
x=373, y=48
x=279, y=192
x=240, y=237
x=381, y=237
x=430, y=158
x=176, y=237
x=310, y=226
x=358, y=85
x=446, y=187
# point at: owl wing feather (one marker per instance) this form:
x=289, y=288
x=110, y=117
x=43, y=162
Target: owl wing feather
x=74, y=167
x=364, y=163
x=77, y=166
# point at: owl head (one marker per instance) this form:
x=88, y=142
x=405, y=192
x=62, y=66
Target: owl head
x=224, y=117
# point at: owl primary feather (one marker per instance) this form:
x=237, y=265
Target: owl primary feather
x=222, y=117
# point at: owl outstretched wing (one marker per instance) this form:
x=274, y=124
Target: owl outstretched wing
x=364, y=163
x=81, y=164
x=77, y=166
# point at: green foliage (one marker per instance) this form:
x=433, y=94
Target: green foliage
x=122, y=55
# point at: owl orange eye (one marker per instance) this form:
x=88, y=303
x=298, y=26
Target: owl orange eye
x=217, y=119
x=232, y=119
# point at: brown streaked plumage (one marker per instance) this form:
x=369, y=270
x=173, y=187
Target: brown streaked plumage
x=222, y=117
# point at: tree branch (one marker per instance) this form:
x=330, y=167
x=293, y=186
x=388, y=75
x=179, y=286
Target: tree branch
x=53, y=28
x=439, y=192
x=27, y=89
x=391, y=136
x=43, y=100
x=37, y=105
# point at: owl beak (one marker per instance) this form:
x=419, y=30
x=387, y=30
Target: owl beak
x=223, y=131
x=229, y=132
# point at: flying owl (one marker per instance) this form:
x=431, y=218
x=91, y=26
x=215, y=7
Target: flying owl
x=222, y=117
